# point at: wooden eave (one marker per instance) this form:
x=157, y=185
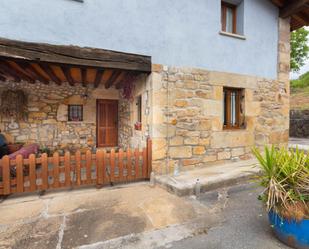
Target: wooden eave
x=297, y=10
x=46, y=63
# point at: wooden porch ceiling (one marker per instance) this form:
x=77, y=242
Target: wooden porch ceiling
x=37, y=62
x=298, y=10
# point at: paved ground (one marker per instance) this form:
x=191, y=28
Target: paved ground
x=137, y=216
x=244, y=223
x=71, y=219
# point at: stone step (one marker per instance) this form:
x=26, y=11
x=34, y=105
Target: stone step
x=210, y=178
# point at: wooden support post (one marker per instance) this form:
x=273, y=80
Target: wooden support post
x=149, y=157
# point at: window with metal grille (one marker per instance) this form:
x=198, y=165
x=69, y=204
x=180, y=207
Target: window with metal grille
x=231, y=108
x=75, y=113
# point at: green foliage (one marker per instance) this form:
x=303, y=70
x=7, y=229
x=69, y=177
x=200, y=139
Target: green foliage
x=285, y=176
x=299, y=48
x=301, y=82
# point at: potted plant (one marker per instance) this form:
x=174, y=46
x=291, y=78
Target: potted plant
x=138, y=126
x=285, y=177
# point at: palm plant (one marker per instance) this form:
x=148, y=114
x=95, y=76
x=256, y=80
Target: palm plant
x=285, y=176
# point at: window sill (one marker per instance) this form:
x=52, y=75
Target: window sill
x=75, y=122
x=242, y=128
x=241, y=37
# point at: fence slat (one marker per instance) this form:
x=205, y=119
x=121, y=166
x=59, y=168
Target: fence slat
x=77, y=164
x=19, y=174
x=32, y=173
x=44, y=171
x=56, y=169
x=136, y=152
x=112, y=165
x=6, y=175
x=129, y=165
x=144, y=167
x=88, y=166
x=99, y=167
x=67, y=168
x=120, y=165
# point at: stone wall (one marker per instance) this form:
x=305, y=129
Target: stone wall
x=187, y=127
x=48, y=124
x=187, y=110
x=299, y=123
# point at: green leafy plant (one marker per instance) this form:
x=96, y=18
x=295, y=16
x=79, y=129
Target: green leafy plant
x=301, y=82
x=299, y=48
x=285, y=176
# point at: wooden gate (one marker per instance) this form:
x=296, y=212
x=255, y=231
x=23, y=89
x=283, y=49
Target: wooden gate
x=102, y=168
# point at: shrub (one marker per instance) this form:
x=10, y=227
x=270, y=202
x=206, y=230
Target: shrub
x=285, y=176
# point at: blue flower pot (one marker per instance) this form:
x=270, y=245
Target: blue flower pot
x=290, y=232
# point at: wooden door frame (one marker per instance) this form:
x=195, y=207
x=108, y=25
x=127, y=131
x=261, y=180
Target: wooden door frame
x=97, y=119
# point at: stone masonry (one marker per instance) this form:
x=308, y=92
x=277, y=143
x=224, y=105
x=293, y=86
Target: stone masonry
x=188, y=107
x=187, y=110
x=48, y=124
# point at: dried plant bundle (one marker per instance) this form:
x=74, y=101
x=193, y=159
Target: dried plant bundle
x=14, y=104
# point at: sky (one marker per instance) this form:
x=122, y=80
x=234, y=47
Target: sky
x=304, y=69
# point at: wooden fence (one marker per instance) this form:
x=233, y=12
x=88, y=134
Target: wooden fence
x=102, y=168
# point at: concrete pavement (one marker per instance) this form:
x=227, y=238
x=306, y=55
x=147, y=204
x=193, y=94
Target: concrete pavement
x=71, y=219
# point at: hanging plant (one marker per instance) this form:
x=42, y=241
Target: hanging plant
x=14, y=104
x=128, y=87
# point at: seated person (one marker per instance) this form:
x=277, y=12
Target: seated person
x=3, y=146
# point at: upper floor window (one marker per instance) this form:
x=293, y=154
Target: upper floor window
x=229, y=17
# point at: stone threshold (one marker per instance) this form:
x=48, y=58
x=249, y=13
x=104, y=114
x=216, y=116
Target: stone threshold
x=300, y=143
x=210, y=178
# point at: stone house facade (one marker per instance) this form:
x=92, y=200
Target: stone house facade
x=181, y=104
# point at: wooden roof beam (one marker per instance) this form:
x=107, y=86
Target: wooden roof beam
x=19, y=71
x=6, y=74
x=301, y=17
x=112, y=79
x=67, y=73
x=32, y=71
x=292, y=8
x=84, y=76
x=46, y=68
x=10, y=71
x=98, y=77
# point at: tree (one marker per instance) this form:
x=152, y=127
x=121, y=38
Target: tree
x=299, y=48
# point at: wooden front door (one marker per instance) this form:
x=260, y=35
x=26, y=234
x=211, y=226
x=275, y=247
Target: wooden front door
x=107, y=123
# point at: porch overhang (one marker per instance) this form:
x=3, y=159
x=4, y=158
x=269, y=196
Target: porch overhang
x=40, y=62
x=298, y=11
